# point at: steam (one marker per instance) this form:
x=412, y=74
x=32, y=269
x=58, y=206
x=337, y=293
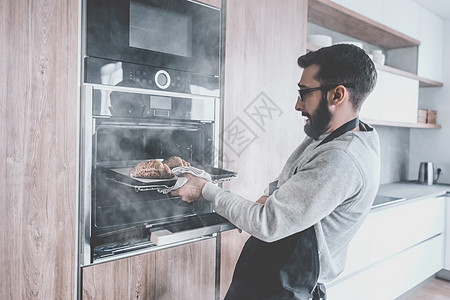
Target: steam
x=160, y=30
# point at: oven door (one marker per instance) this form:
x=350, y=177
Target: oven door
x=173, y=34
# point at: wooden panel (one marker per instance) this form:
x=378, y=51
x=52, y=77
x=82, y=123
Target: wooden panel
x=108, y=280
x=38, y=134
x=264, y=38
x=231, y=246
x=184, y=272
x=141, y=279
x=340, y=19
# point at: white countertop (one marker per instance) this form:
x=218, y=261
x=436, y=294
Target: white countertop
x=411, y=190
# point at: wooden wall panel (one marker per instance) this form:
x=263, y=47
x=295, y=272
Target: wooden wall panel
x=38, y=133
x=264, y=38
x=184, y=272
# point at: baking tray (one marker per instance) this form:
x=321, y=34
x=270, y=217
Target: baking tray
x=121, y=175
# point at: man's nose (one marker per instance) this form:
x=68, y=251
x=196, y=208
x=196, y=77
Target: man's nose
x=299, y=104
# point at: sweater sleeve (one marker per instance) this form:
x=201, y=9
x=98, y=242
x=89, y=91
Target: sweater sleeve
x=317, y=188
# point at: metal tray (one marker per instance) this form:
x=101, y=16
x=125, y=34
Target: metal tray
x=120, y=175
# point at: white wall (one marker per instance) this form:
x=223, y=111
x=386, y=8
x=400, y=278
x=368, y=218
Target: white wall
x=394, y=153
x=434, y=145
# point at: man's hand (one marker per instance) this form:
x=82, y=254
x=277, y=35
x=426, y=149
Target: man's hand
x=192, y=190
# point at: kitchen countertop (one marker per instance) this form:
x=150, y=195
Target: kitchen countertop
x=396, y=192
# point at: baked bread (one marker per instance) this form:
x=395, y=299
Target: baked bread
x=151, y=169
x=176, y=161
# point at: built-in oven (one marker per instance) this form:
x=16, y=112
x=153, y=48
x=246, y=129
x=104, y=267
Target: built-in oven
x=123, y=215
x=150, y=91
x=169, y=45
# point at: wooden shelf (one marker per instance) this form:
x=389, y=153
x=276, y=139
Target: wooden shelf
x=402, y=124
x=423, y=82
x=343, y=20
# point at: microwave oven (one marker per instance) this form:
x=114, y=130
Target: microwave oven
x=170, y=45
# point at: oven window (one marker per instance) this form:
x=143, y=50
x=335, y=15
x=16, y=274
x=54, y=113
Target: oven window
x=160, y=30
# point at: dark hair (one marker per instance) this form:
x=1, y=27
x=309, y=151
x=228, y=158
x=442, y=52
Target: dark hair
x=343, y=63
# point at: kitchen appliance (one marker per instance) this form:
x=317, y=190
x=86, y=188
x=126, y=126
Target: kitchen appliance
x=121, y=214
x=171, y=45
x=142, y=102
x=426, y=173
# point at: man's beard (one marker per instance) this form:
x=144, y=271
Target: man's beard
x=319, y=120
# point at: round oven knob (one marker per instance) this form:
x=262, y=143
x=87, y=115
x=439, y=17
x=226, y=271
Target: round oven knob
x=162, y=79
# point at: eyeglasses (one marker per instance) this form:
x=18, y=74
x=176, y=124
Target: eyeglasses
x=303, y=92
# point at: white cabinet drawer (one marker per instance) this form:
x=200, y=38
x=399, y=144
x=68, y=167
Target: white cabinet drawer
x=393, y=276
x=390, y=230
x=394, y=229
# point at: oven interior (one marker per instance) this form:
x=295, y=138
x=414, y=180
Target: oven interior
x=125, y=210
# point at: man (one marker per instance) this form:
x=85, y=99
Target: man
x=301, y=231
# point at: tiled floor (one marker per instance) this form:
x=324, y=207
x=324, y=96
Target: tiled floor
x=436, y=289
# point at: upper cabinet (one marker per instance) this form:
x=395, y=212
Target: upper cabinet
x=412, y=44
x=348, y=22
x=413, y=48
x=431, y=47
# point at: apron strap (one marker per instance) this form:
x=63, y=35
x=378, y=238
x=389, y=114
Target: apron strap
x=319, y=292
x=349, y=126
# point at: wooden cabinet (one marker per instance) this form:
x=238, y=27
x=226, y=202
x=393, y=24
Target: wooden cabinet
x=264, y=38
x=38, y=152
x=184, y=272
x=401, y=244
x=379, y=28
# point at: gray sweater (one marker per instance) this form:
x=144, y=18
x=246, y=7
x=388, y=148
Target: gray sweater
x=333, y=189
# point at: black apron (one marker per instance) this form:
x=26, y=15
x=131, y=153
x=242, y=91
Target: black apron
x=284, y=269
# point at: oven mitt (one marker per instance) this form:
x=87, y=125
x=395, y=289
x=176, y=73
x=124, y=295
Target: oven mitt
x=178, y=171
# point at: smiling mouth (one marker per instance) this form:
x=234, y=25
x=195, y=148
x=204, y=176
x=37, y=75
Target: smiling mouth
x=307, y=118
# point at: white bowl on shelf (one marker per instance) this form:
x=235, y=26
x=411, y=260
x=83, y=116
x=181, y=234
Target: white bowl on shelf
x=378, y=56
x=320, y=40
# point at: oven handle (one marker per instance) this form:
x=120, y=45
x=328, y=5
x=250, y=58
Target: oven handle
x=165, y=237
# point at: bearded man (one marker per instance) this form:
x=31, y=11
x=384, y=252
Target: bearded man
x=302, y=226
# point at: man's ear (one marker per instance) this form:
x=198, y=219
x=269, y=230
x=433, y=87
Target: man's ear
x=339, y=93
